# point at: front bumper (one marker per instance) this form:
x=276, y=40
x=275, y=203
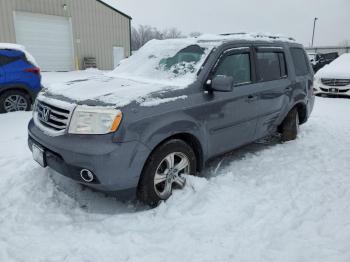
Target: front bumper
x=321, y=89
x=116, y=166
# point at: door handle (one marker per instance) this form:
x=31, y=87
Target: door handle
x=251, y=98
x=288, y=89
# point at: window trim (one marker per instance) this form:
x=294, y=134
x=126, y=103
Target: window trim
x=235, y=51
x=271, y=49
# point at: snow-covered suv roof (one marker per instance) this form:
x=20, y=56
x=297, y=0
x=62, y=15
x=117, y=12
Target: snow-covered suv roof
x=245, y=36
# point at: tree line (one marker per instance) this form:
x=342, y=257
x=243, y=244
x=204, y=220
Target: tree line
x=145, y=33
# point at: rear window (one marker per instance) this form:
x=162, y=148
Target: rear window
x=300, y=61
x=271, y=66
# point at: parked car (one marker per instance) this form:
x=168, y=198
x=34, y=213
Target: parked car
x=319, y=60
x=20, y=79
x=168, y=109
x=334, y=79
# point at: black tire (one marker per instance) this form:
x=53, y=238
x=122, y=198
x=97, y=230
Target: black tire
x=290, y=126
x=147, y=191
x=24, y=105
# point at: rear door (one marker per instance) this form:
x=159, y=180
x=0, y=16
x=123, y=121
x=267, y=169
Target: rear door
x=273, y=87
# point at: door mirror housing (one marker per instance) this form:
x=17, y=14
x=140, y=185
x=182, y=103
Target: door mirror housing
x=222, y=83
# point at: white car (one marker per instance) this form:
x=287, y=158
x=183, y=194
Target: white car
x=334, y=79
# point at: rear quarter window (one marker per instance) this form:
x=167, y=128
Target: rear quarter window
x=300, y=61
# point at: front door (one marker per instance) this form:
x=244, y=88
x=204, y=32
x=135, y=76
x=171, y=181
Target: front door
x=230, y=117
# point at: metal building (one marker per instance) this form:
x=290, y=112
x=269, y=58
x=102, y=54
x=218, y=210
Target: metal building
x=61, y=33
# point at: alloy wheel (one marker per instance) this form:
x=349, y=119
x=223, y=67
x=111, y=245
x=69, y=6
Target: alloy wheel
x=15, y=103
x=171, y=172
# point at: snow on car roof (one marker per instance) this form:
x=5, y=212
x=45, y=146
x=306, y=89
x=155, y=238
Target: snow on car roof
x=245, y=36
x=21, y=48
x=338, y=69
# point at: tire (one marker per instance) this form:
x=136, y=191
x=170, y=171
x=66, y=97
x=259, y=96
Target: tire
x=14, y=100
x=159, y=176
x=290, y=126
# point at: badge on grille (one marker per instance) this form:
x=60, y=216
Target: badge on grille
x=45, y=115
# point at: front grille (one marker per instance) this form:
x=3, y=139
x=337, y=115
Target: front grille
x=335, y=82
x=52, y=118
x=334, y=91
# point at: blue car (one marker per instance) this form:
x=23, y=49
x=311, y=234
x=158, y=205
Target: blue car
x=20, y=80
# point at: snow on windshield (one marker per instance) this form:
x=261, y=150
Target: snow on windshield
x=173, y=62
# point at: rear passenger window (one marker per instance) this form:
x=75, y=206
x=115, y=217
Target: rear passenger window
x=4, y=60
x=237, y=66
x=271, y=66
x=300, y=61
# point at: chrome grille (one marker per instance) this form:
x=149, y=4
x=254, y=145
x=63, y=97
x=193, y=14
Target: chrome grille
x=52, y=119
x=335, y=82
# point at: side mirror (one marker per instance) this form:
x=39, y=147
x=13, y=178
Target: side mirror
x=222, y=83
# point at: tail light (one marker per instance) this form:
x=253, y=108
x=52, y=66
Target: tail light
x=34, y=70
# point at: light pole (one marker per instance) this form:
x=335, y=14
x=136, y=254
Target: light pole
x=313, y=32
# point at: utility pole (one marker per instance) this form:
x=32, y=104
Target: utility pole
x=313, y=32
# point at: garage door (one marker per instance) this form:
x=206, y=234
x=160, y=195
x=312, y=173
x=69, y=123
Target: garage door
x=48, y=38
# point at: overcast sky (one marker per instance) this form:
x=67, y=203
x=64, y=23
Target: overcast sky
x=288, y=17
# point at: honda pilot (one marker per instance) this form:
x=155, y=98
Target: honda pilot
x=168, y=109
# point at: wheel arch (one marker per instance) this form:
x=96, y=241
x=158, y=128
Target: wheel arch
x=17, y=87
x=191, y=140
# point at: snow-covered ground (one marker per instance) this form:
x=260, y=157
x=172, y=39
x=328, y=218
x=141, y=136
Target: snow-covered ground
x=265, y=202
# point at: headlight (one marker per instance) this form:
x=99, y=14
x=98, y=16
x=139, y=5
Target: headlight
x=94, y=120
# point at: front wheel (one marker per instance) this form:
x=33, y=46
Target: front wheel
x=290, y=126
x=13, y=100
x=165, y=170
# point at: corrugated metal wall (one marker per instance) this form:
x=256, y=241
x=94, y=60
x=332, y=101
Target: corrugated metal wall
x=96, y=27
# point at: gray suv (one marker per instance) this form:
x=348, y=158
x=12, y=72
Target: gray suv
x=168, y=109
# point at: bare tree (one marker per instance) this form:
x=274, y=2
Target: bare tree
x=171, y=33
x=145, y=33
x=195, y=34
x=142, y=35
x=344, y=43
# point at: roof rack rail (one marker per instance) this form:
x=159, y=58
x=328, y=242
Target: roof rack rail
x=259, y=35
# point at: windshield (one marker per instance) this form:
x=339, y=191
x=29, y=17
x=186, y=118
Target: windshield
x=174, y=62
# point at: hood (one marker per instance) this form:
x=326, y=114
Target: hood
x=338, y=69
x=108, y=89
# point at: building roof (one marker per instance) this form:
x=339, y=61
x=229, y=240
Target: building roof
x=112, y=4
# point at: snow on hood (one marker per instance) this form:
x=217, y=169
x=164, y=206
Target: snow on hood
x=21, y=48
x=338, y=69
x=107, y=89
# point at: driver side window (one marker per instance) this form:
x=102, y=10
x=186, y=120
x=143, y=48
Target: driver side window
x=237, y=66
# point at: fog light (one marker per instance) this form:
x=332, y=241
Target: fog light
x=87, y=175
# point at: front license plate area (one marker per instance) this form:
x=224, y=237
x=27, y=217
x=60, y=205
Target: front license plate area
x=334, y=90
x=39, y=155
